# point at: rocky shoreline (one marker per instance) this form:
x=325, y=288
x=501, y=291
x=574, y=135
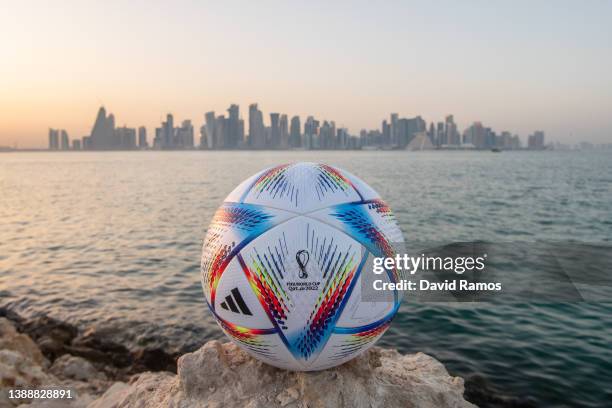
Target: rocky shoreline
x=44, y=353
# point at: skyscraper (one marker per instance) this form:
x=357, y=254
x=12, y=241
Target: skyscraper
x=208, y=131
x=295, y=138
x=103, y=132
x=235, y=128
x=274, y=141
x=475, y=135
x=451, y=133
x=53, y=139
x=142, y=137
x=64, y=141
x=284, y=132
x=167, y=135
x=126, y=137
x=311, y=132
x=386, y=133
x=257, y=133
x=220, y=132
x=536, y=140
x=440, y=134
x=394, y=129
x=184, y=138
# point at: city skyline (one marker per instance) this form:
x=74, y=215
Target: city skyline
x=520, y=66
x=228, y=132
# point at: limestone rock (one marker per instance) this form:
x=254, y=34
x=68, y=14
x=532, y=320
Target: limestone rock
x=76, y=368
x=22, y=366
x=10, y=339
x=222, y=375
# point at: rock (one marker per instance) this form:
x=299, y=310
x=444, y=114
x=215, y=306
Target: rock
x=10, y=339
x=16, y=371
x=112, y=397
x=154, y=359
x=23, y=366
x=76, y=368
x=51, y=335
x=94, y=345
x=222, y=375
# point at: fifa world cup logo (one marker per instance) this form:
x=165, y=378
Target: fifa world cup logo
x=302, y=257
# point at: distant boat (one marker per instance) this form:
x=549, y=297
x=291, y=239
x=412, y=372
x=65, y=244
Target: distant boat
x=496, y=150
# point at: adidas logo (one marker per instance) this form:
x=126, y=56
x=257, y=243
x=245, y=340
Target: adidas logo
x=234, y=301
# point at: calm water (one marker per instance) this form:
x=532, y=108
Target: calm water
x=114, y=239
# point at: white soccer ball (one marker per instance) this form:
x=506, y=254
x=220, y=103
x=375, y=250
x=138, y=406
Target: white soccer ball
x=282, y=263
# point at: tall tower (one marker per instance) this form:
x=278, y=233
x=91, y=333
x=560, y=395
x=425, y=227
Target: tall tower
x=274, y=131
x=284, y=132
x=395, y=131
x=65, y=142
x=53, y=139
x=209, y=130
x=233, y=127
x=99, y=131
x=295, y=138
x=142, y=137
x=168, y=132
x=257, y=134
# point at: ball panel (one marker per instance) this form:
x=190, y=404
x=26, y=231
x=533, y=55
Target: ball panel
x=233, y=225
x=371, y=223
x=236, y=302
x=365, y=191
x=264, y=344
x=301, y=187
x=237, y=194
x=361, y=313
x=343, y=347
x=303, y=272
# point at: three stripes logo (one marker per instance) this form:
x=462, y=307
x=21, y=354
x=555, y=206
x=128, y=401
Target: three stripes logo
x=234, y=302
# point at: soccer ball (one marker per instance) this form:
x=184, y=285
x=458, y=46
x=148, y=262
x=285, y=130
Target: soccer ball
x=282, y=264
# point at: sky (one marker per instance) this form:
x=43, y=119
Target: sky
x=515, y=65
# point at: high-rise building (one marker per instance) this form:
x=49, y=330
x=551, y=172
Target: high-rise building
x=221, y=132
x=274, y=141
x=103, y=132
x=64, y=140
x=475, y=135
x=207, y=140
x=327, y=135
x=76, y=144
x=235, y=128
x=342, y=138
x=407, y=128
x=451, y=133
x=53, y=139
x=386, y=133
x=157, y=140
x=167, y=134
x=394, y=129
x=295, y=139
x=126, y=137
x=431, y=133
x=142, y=137
x=257, y=132
x=311, y=133
x=184, y=138
x=440, y=134
x=284, y=132
x=535, y=141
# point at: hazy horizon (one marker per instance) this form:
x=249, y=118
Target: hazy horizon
x=516, y=66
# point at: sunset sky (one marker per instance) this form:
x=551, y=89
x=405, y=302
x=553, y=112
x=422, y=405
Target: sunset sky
x=517, y=66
